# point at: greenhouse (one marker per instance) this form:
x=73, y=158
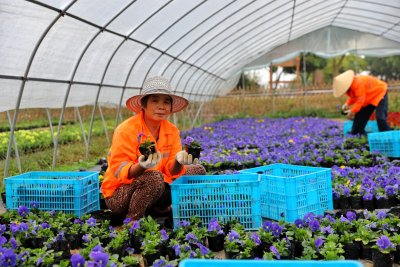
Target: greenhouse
x=200, y=133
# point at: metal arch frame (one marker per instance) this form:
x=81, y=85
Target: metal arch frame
x=224, y=55
x=85, y=49
x=199, y=37
x=108, y=64
x=244, y=26
x=207, y=52
x=238, y=55
x=291, y=21
x=339, y=11
x=22, y=87
x=183, y=36
x=361, y=28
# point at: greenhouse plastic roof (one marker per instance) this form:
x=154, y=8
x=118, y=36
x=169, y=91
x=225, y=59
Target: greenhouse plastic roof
x=57, y=53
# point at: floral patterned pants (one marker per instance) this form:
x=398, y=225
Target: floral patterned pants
x=147, y=194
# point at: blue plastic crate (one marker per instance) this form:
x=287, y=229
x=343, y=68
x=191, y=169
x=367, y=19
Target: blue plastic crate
x=224, y=197
x=371, y=127
x=387, y=143
x=266, y=263
x=288, y=192
x=70, y=192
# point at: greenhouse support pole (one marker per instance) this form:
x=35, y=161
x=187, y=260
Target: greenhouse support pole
x=197, y=115
x=304, y=83
x=104, y=124
x=15, y=145
x=51, y=126
x=82, y=129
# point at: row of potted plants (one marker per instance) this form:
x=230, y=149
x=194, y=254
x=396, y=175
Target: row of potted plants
x=29, y=237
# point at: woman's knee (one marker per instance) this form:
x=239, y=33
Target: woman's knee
x=195, y=169
x=152, y=179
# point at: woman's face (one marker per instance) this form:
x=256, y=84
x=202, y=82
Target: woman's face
x=158, y=107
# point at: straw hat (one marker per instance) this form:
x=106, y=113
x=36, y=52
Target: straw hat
x=342, y=82
x=156, y=85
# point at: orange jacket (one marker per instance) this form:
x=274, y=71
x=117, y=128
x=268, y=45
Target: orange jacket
x=365, y=90
x=124, y=152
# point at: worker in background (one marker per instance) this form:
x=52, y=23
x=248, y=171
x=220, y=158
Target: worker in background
x=364, y=95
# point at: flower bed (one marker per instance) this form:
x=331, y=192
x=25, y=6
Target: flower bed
x=30, y=237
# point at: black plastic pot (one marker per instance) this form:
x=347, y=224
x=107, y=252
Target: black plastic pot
x=150, y=258
x=344, y=202
x=381, y=259
x=393, y=201
x=366, y=251
x=136, y=243
x=382, y=203
x=216, y=243
x=231, y=255
x=351, y=251
x=397, y=255
x=369, y=204
x=336, y=204
x=298, y=249
x=356, y=202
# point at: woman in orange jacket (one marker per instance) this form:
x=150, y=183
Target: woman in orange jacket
x=365, y=94
x=134, y=186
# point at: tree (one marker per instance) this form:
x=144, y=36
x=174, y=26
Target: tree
x=387, y=68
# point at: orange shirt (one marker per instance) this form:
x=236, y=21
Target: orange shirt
x=124, y=152
x=365, y=90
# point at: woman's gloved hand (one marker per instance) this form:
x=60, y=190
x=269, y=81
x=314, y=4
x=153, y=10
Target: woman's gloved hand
x=151, y=161
x=185, y=159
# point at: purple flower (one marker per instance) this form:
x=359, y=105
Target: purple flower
x=188, y=140
x=34, y=205
x=14, y=243
x=86, y=238
x=23, y=211
x=127, y=220
x=299, y=223
x=192, y=255
x=330, y=218
x=233, y=235
x=140, y=135
x=309, y=217
x=327, y=230
x=314, y=225
x=99, y=258
x=213, y=225
x=275, y=252
x=77, y=221
x=177, y=249
x=3, y=228
x=135, y=226
x=276, y=229
x=351, y=216
x=381, y=215
x=191, y=238
x=39, y=262
x=45, y=225
x=159, y=263
x=267, y=226
x=3, y=240
x=164, y=235
x=343, y=219
x=318, y=243
x=52, y=213
x=8, y=257
x=203, y=250
x=91, y=221
x=384, y=243
x=183, y=223
x=256, y=238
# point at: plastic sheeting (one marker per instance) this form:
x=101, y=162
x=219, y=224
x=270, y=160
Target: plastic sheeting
x=62, y=53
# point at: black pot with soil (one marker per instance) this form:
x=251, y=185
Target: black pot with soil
x=369, y=204
x=231, y=255
x=194, y=151
x=344, y=202
x=216, y=243
x=366, y=251
x=396, y=254
x=382, y=259
x=351, y=251
x=356, y=202
x=149, y=259
x=382, y=203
